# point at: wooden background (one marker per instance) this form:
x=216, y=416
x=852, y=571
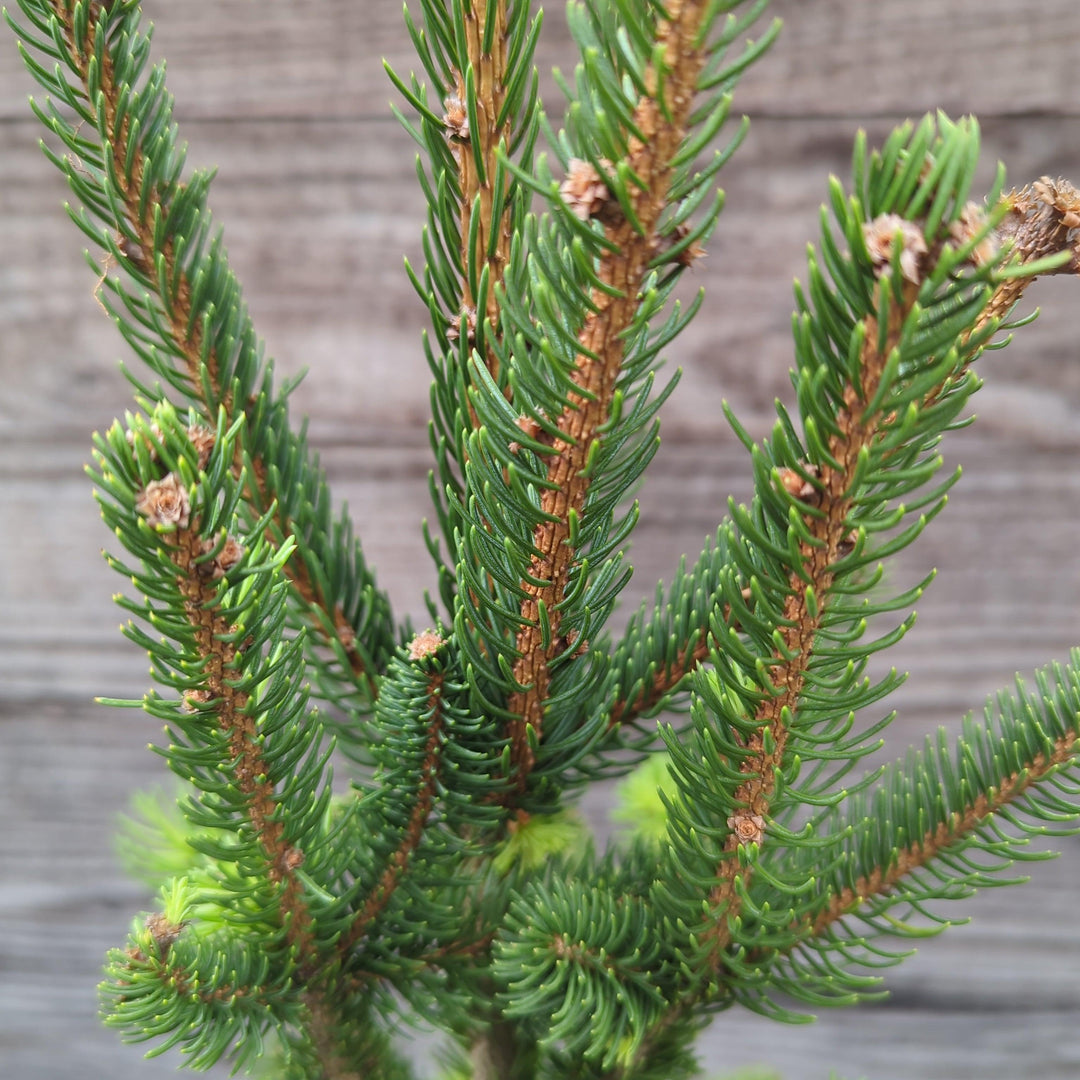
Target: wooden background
x=317, y=193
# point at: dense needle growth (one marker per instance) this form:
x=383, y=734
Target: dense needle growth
x=438, y=877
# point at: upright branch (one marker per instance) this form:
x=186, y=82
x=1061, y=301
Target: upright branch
x=434, y=762
x=1036, y=221
x=826, y=538
x=826, y=497
x=805, y=862
x=477, y=59
x=170, y=497
x=324, y=919
x=430, y=711
x=662, y=118
x=219, y=652
x=185, y=315
x=479, y=128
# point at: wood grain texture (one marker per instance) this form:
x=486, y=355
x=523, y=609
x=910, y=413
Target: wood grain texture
x=320, y=58
x=317, y=193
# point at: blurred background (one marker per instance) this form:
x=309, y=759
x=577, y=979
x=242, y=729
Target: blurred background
x=317, y=192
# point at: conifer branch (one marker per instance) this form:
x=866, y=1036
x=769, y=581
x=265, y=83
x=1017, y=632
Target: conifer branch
x=821, y=501
x=666, y=681
x=1037, y=224
x=1041, y=222
x=139, y=207
x=964, y=822
x=1026, y=771
x=423, y=801
x=142, y=203
x=478, y=58
x=172, y=976
x=175, y=526
x=1009, y=778
x=801, y=619
x=483, y=185
x=219, y=652
x=662, y=117
x=656, y=667
x=196, y=991
x=233, y=733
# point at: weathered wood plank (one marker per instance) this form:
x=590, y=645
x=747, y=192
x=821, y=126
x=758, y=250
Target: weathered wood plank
x=987, y=996
x=327, y=288
x=837, y=57
x=978, y=624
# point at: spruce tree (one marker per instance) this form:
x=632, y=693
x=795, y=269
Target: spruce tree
x=441, y=876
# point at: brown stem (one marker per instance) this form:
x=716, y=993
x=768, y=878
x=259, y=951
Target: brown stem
x=1043, y=219
x=622, y=269
x=323, y=1026
x=478, y=192
x=222, y=661
x=665, y=681
x=798, y=629
x=494, y=1054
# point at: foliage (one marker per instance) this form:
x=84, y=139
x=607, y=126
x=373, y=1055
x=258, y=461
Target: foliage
x=450, y=880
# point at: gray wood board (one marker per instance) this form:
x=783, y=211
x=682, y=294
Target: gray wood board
x=230, y=58
x=317, y=193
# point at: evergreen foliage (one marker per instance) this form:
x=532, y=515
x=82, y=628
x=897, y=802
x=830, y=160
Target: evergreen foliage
x=448, y=879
